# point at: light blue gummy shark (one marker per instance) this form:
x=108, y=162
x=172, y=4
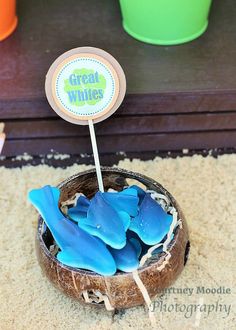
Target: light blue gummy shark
x=78, y=248
x=104, y=222
x=127, y=258
x=152, y=223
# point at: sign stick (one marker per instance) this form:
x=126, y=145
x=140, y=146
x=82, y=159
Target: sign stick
x=95, y=155
x=2, y=136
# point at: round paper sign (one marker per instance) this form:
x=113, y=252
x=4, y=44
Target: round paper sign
x=85, y=84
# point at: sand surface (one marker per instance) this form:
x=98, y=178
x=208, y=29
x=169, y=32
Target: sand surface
x=205, y=189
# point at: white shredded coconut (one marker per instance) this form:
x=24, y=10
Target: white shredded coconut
x=168, y=208
x=97, y=297
x=72, y=201
x=146, y=297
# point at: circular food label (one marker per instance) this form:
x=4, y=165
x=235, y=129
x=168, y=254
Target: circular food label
x=84, y=84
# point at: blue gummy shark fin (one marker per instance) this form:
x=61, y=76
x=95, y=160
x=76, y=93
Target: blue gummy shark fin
x=137, y=245
x=46, y=200
x=83, y=203
x=76, y=215
x=56, y=194
x=80, y=210
x=126, y=259
x=125, y=218
x=152, y=223
x=126, y=200
x=140, y=192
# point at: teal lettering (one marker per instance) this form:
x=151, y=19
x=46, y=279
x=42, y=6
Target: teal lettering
x=72, y=96
x=95, y=94
x=91, y=78
x=72, y=79
x=84, y=79
x=90, y=94
x=86, y=94
x=100, y=93
x=96, y=77
x=80, y=96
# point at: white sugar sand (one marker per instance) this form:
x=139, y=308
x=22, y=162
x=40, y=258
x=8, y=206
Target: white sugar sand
x=205, y=189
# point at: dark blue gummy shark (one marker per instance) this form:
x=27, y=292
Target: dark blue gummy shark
x=104, y=222
x=78, y=248
x=106, y=215
x=126, y=200
x=127, y=258
x=140, y=193
x=152, y=223
x=80, y=210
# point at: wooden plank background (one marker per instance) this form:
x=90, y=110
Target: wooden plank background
x=123, y=143
x=177, y=97
x=133, y=104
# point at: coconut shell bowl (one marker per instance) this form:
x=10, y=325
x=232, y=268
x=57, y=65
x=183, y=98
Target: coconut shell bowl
x=157, y=272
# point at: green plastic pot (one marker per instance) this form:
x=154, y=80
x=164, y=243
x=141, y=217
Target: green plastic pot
x=165, y=22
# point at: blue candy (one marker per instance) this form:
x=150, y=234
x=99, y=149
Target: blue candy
x=126, y=200
x=152, y=223
x=78, y=248
x=80, y=210
x=140, y=193
x=105, y=222
x=126, y=259
x=104, y=219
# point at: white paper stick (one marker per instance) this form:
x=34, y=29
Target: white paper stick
x=2, y=140
x=95, y=155
x=2, y=125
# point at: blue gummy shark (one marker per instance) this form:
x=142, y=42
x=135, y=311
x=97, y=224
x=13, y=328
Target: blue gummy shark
x=140, y=193
x=78, y=248
x=127, y=258
x=104, y=222
x=152, y=223
x=125, y=200
x=80, y=209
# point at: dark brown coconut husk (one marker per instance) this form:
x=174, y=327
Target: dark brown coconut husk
x=120, y=290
